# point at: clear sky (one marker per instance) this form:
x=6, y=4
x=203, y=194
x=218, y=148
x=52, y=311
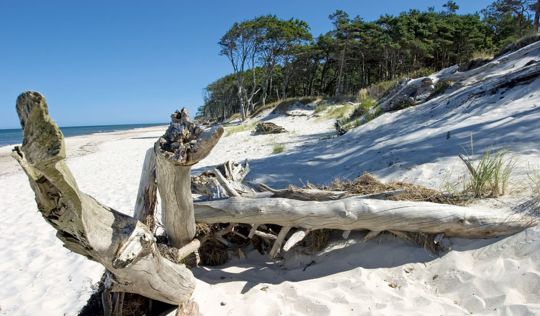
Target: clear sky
x=120, y=62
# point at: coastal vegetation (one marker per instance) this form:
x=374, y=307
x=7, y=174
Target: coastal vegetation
x=273, y=59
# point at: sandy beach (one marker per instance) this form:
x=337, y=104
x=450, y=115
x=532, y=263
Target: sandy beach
x=383, y=276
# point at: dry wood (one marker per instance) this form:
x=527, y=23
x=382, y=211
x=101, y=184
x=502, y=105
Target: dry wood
x=279, y=240
x=225, y=184
x=295, y=238
x=269, y=128
x=183, y=145
x=188, y=249
x=309, y=194
x=252, y=231
x=372, y=234
x=125, y=246
x=147, y=198
x=265, y=235
x=368, y=214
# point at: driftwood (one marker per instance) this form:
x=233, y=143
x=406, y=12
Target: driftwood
x=269, y=128
x=183, y=145
x=357, y=213
x=124, y=245
x=146, y=197
x=223, y=181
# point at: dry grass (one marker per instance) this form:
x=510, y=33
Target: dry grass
x=239, y=128
x=534, y=179
x=334, y=111
x=317, y=240
x=213, y=253
x=283, y=105
x=368, y=184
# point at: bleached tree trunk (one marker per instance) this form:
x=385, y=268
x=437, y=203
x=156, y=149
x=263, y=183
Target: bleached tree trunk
x=358, y=213
x=183, y=145
x=147, y=197
x=124, y=245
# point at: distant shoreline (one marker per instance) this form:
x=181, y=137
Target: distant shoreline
x=14, y=136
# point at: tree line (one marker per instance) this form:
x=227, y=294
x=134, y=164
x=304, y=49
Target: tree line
x=273, y=58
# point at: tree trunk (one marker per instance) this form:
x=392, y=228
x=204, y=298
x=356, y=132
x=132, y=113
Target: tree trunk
x=183, y=145
x=146, y=197
x=536, y=15
x=125, y=246
x=357, y=213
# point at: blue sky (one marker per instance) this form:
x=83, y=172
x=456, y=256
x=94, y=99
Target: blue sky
x=120, y=62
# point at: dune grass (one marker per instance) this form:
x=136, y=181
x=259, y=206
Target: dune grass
x=337, y=111
x=283, y=105
x=489, y=175
x=239, y=128
x=277, y=148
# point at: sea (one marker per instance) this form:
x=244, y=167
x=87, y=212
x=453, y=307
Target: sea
x=14, y=136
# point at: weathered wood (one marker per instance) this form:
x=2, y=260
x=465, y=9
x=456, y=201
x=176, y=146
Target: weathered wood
x=355, y=213
x=265, y=235
x=147, y=197
x=279, y=240
x=372, y=234
x=183, y=145
x=125, y=246
x=309, y=194
x=295, y=238
x=225, y=184
x=223, y=181
x=188, y=249
x=313, y=194
x=269, y=128
x=207, y=185
x=252, y=231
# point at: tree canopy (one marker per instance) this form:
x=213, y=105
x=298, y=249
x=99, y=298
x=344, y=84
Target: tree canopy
x=273, y=58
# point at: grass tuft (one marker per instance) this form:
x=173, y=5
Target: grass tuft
x=239, y=128
x=278, y=148
x=489, y=176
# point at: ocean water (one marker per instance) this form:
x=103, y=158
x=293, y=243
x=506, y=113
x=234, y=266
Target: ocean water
x=14, y=136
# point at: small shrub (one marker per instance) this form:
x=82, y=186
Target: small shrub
x=512, y=44
x=366, y=111
x=489, y=176
x=278, y=148
x=379, y=89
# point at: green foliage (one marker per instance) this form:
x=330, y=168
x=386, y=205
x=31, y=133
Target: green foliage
x=273, y=59
x=364, y=112
x=489, y=175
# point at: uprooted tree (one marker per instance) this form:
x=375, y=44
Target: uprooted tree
x=127, y=248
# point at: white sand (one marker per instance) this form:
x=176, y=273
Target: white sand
x=382, y=277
